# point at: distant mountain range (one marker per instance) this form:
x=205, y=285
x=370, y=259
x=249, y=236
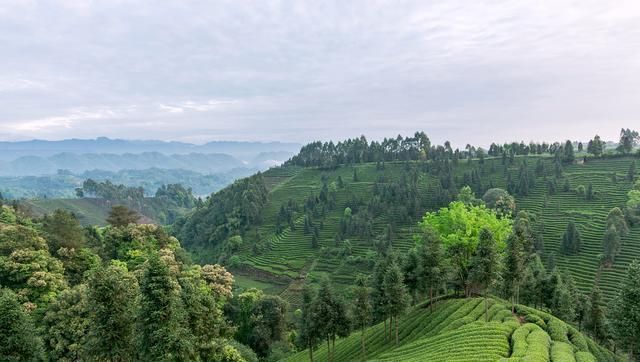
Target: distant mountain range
x=244, y=151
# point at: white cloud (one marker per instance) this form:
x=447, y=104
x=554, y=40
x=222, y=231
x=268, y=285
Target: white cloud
x=465, y=71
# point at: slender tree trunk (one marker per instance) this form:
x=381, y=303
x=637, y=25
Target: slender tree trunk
x=310, y=352
x=333, y=347
x=486, y=307
x=431, y=299
x=385, y=327
x=364, y=350
x=328, y=349
x=396, y=318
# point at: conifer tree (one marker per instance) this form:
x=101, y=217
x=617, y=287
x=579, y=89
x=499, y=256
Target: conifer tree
x=308, y=334
x=111, y=297
x=625, y=313
x=362, y=310
x=571, y=240
x=596, y=321
x=485, y=265
x=431, y=264
x=396, y=293
x=161, y=319
x=330, y=316
x=631, y=174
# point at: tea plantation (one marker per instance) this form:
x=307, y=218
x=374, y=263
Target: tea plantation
x=456, y=331
x=290, y=260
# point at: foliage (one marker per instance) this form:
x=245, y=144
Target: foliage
x=625, y=312
x=20, y=341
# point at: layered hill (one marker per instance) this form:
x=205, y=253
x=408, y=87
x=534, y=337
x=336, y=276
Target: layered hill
x=285, y=255
x=456, y=330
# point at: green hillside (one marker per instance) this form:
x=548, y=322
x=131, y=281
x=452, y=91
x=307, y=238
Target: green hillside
x=287, y=258
x=456, y=331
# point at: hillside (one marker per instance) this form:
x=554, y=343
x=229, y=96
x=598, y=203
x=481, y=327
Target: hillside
x=286, y=257
x=456, y=331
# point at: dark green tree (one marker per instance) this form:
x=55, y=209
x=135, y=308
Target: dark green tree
x=111, y=296
x=431, y=264
x=331, y=316
x=569, y=155
x=628, y=139
x=611, y=244
x=121, y=215
x=308, y=335
x=161, y=319
x=631, y=174
x=362, y=310
x=63, y=230
x=597, y=320
x=396, y=293
x=571, y=240
x=625, y=312
x=485, y=266
x=19, y=340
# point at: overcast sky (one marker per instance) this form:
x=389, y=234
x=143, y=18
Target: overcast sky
x=466, y=71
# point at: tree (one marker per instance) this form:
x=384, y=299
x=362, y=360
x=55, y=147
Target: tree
x=111, y=296
x=597, y=320
x=161, y=319
x=20, y=341
x=331, y=318
x=625, y=312
x=571, y=240
x=63, y=230
x=308, y=335
x=268, y=323
x=485, y=265
x=396, y=293
x=589, y=195
x=611, y=244
x=121, y=215
x=595, y=146
x=66, y=323
x=459, y=227
x=500, y=200
x=362, y=310
x=616, y=219
x=431, y=264
x=631, y=174
x=569, y=155
x=628, y=139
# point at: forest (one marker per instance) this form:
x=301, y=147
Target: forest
x=391, y=250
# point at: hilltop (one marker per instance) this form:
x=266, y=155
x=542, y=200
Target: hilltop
x=295, y=237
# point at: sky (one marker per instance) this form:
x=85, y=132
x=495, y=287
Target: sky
x=195, y=71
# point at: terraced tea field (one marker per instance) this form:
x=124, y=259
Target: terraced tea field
x=456, y=331
x=290, y=256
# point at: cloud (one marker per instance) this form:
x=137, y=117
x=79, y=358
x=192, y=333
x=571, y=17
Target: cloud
x=463, y=71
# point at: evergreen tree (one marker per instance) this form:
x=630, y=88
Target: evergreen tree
x=589, y=194
x=596, y=321
x=431, y=264
x=628, y=139
x=611, y=244
x=631, y=174
x=121, y=215
x=19, y=340
x=569, y=155
x=571, y=240
x=625, y=313
x=485, y=265
x=331, y=317
x=308, y=335
x=396, y=293
x=161, y=319
x=515, y=262
x=362, y=310
x=111, y=297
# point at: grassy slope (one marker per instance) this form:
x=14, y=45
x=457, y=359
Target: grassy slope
x=89, y=211
x=456, y=331
x=291, y=255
